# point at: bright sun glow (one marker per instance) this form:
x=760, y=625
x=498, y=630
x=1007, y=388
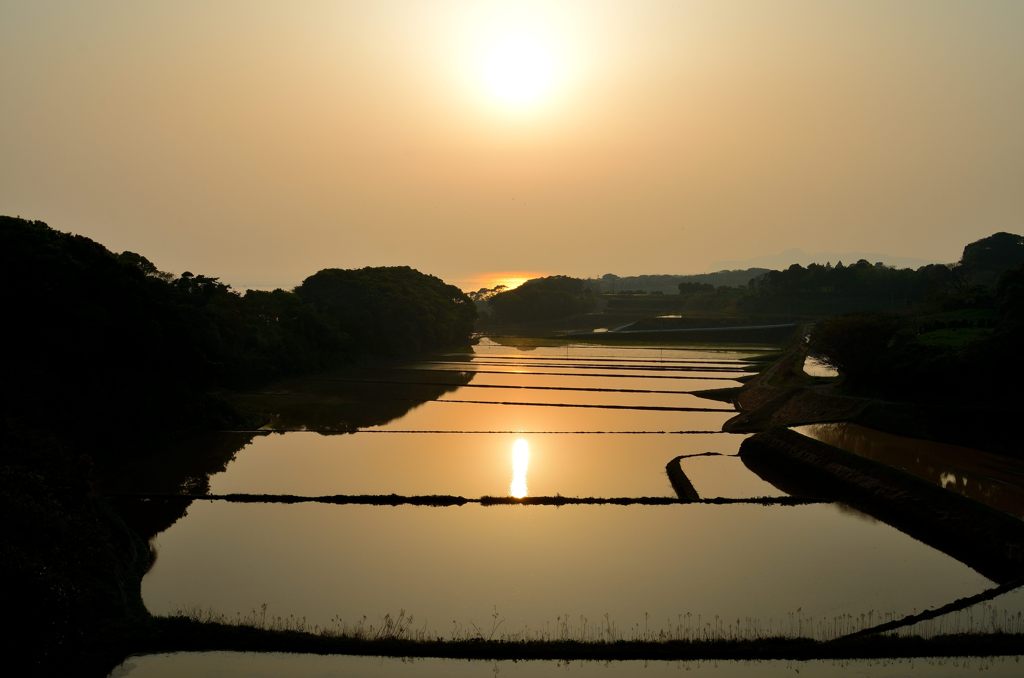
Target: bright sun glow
x=520, y=57
x=520, y=464
x=520, y=70
x=511, y=282
x=510, y=279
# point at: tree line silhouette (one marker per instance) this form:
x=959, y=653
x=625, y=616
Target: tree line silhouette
x=963, y=354
x=95, y=337
x=798, y=292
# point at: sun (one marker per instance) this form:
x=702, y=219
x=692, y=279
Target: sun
x=522, y=59
x=519, y=70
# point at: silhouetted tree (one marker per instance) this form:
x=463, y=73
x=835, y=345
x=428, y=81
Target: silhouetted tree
x=542, y=299
x=985, y=260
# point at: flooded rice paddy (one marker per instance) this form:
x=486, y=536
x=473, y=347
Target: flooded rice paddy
x=789, y=570
x=532, y=421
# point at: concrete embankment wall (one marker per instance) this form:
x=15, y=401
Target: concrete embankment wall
x=984, y=539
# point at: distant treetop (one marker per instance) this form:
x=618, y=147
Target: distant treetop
x=985, y=260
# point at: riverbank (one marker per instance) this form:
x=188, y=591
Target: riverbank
x=784, y=395
x=988, y=541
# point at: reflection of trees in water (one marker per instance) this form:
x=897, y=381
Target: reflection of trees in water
x=341, y=402
x=330, y=403
x=525, y=343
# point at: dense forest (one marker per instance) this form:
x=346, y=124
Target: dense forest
x=966, y=347
x=106, y=357
x=94, y=335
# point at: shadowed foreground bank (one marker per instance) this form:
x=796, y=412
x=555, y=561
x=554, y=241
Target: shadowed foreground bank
x=178, y=634
x=107, y=361
x=989, y=541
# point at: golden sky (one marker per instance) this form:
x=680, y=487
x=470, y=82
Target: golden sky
x=262, y=141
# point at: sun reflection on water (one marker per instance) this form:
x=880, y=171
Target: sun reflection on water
x=520, y=464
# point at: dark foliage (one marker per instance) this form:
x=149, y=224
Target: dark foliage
x=827, y=290
x=886, y=355
x=106, y=357
x=852, y=343
x=69, y=566
x=543, y=299
x=92, y=336
x=760, y=295
x=610, y=283
x=390, y=311
x=694, y=287
x=985, y=260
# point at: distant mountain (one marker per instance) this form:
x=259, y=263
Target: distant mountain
x=669, y=284
x=791, y=256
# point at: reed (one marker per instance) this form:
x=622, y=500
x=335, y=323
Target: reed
x=685, y=627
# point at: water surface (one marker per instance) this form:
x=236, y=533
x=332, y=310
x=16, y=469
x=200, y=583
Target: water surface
x=533, y=571
x=467, y=465
x=453, y=567
x=726, y=476
x=474, y=417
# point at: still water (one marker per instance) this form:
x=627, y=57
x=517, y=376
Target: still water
x=454, y=416
x=725, y=476
x=532, y=571
x=468, y=465
x=453, y=567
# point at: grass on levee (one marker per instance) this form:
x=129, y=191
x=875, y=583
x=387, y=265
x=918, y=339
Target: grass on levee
x=686, y=627
x=796, y=636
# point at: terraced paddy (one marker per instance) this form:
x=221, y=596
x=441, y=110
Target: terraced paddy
x=527, y=424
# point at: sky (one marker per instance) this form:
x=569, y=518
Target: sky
x=481, y=141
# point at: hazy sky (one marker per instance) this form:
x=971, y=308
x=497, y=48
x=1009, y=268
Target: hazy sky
x=262, y=141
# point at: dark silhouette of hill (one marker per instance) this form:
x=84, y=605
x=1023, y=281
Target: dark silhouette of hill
x=95, y=337
x=104, y=358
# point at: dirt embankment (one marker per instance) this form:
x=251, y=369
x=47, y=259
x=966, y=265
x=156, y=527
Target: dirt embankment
x=783, y=395
x=986, y=540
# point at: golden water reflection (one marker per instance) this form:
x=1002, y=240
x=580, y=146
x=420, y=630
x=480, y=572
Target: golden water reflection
x=520, y=464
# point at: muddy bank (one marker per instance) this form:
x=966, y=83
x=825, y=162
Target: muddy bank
x=680, y=483
x=783, y=395
x=986, y=540
x=140, y=502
